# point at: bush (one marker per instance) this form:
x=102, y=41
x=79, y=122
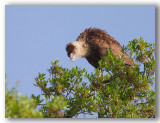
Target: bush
x=18, y=106
x=120, y=92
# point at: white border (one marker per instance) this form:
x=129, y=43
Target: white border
x=113, y=2
x=67, y=2
x=2, y=60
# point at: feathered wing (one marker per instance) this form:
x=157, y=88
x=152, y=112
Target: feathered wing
x=114, y=45
x=117, y=51
x=99, y=41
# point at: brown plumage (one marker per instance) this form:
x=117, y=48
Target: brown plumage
x=92, y=44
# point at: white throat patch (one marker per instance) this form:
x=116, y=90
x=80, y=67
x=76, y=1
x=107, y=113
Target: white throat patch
x=81, y=49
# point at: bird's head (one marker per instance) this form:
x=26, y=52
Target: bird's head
x=70, y=48
x=76, y=50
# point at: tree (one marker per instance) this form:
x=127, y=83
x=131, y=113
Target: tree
x=19, y=106
x=121, y=91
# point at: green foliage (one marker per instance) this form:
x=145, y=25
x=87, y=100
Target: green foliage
x=121, y=92
x=114, y=90
x=18, y=106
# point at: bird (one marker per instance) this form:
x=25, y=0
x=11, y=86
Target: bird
x=92, y=44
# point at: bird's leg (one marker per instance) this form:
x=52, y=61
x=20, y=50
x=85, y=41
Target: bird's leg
x=101, y=71
x=108, y=80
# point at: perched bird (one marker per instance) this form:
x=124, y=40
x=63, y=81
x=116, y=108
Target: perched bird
x=92, y=44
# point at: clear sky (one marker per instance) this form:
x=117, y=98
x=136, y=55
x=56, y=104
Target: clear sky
x=37, y=35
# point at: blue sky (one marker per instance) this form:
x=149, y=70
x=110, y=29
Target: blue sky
x=37, y=35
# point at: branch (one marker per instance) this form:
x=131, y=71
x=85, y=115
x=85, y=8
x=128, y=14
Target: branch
x=145, y=102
